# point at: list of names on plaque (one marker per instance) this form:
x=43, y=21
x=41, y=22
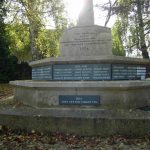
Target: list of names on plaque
x=127, y=72
x=42, y=73
x=82, y=72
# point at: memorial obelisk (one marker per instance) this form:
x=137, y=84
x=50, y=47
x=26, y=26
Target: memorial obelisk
x=86, y=16
x=81, y=91
x=86, y=72
x=86, y=39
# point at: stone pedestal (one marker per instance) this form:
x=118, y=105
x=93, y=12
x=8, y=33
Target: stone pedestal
x=86, y=72
x=86, y=41
x=114, y=94
x=79, y=89
x=64, y=80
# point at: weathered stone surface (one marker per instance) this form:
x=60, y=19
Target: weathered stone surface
x=86, y=41
x=82, y=121
x=86, y=44
x=90, y=59
x=86, y=16
x=116, y=94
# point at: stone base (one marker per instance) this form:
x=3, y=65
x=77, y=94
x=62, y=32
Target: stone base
x=90, y=60
x=116, y=94
x=83, y=121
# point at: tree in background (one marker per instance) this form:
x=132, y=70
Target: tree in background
x=4, y=48
x=33, y=14
x=133, y=16
x=18, y=35
x=118, y=48
x=9, y=68
x=47, y=43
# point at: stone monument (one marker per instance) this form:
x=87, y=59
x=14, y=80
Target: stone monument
x=86, y=39
x=86, y=72
x=86, y=16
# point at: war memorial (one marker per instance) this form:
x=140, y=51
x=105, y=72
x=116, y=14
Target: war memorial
x=86, y=72
x=78, y=89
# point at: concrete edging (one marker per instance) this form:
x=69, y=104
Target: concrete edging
x=103, y=125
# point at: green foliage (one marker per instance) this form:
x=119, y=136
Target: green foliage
x=9, y=69
x=4, y=51
x=118, y=48
x=6, y=61
x=33, y=41
x=47, y=43
x=18, y=35
x=134, y=16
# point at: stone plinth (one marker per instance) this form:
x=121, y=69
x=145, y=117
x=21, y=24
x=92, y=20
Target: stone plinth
x=86, y=72
x=85, y=75
x=86, y=41
x=89, y=59
x=116, y=94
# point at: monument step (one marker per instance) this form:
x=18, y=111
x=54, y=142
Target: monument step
x=89, y=59
x=117, y=94
x=82, y=121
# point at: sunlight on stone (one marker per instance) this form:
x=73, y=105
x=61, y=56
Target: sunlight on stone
x=74, y=7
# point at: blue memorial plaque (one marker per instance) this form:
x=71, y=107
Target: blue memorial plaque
x=82, y=72
x=127, y=72
x=88, y=72
x=42, y=73
x=79, y=100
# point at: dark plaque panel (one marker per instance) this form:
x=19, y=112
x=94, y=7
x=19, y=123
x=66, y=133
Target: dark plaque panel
x=89, y=72
x=42, y=73
x=127, y=72
x=79, y=100
x=82, y=72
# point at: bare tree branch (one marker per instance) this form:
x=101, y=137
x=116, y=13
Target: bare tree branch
x=109, y=14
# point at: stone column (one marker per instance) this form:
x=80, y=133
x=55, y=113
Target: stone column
x=86, y=17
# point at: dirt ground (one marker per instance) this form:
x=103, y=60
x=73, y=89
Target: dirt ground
x=5, y=91
x=20, y=140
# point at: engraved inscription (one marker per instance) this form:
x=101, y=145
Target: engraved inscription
x=82, y=72
x=127, y=72
x=42, y=73
x=79, y=100
x=86, y=38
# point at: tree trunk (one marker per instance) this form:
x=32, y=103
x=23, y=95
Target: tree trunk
x=143, y=46
x=33, y=36
x=34, y=27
